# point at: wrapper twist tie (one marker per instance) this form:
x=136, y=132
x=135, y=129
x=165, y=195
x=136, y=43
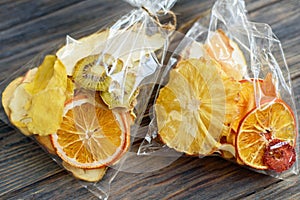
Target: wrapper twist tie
x=169, y=26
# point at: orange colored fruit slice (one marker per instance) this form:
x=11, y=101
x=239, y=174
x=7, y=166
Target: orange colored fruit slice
x=91, y=136
x=193, y=107
x=252, y=92
x=273, y=120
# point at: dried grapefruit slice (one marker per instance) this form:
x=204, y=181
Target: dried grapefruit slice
x=273, y=120
x=193, y=107
x=91, y=136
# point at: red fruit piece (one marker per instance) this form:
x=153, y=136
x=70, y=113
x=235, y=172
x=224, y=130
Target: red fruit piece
x=279, y=155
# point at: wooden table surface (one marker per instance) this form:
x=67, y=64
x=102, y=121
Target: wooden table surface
x=26, y=172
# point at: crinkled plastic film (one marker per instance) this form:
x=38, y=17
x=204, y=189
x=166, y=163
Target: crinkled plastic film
x=83, y=101
x=227, y=91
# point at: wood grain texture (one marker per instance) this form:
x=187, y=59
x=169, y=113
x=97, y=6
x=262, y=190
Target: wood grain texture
x=28, y=27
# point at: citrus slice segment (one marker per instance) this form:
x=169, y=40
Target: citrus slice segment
x=91, y=136
x=273, y=120
x=192, y=108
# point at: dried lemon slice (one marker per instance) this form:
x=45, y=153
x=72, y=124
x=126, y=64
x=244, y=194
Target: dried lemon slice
x=193, y=107
x=93, y=72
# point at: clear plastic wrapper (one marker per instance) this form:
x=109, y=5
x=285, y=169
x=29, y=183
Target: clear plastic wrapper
x=227, y=91
x=79, y=101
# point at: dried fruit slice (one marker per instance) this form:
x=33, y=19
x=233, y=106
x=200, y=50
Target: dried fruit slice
x=45, y=118
x=18, y=105
x=192, y=108
x=128, y=45
x=279, y=156
x=121, y=92
x=250, y=91
x=227, y=53
x=45, y=141
x=8, y=93
x=91, y=136
x=272, y=120
x=90, y=175
x=93, y=72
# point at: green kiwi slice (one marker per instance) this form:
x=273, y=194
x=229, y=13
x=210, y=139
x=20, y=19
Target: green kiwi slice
x=93, y=72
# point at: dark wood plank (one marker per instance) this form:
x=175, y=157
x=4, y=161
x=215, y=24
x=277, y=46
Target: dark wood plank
x=27, y=172
x=28, y=10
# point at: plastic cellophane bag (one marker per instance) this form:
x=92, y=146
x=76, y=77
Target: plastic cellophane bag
x=80, y=100
x=227, y=91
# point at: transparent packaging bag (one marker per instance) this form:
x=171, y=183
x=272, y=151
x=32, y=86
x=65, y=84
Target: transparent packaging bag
x=80, y=100
x=226, y=91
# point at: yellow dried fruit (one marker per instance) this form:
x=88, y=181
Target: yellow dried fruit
x=46, y=112
x=19, y=104
x=43, y=75
x=8, y=93
x=37, y=103
x=193, y=107
x=90, y=175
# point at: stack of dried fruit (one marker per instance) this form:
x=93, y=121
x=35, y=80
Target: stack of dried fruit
x=79, y=103
x=207, y=107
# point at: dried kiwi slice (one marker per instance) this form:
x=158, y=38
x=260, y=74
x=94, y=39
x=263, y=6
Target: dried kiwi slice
x=93, y=72
x=120, y=96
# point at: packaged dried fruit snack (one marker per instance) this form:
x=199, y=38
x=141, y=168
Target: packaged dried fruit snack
x=79, y=100
x=227, y=91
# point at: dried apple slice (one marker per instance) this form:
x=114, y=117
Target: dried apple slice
x=45, y=141
x=221, y=48
x=8, y=93
x=90, y=175
x=128, y=45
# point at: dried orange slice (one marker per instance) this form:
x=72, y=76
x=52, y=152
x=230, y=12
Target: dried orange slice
x=193, y=107
x=273, y=120
x=252, y=92
x=91, y=136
